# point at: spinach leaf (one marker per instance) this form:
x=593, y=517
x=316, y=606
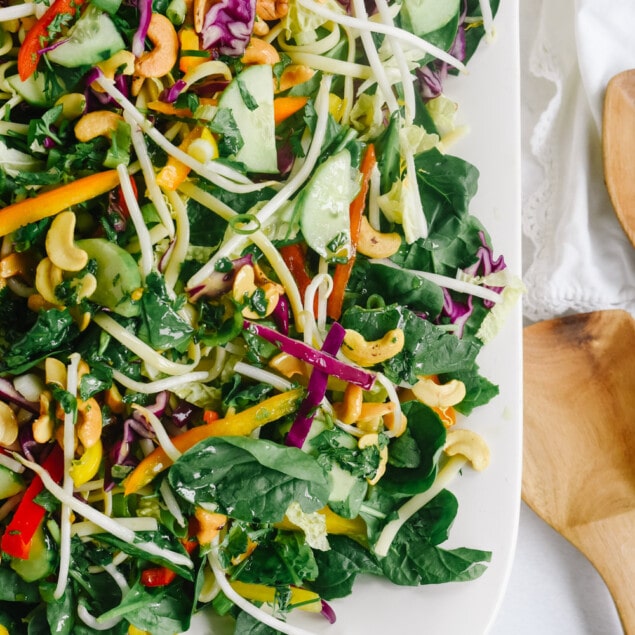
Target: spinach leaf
x=248, y=625
x=285, y=560
x=428, y=433
x=224, y=123
x=53, y=330
x=235, y=395
x=428, y=349
x=206, y=228
x=161, y=538
x=60, y=613
x=250, y=479
x=340, y=565
x=162, y=326
x=99, y=378
x=14, y=589
x=158, y=610
x=395, y=287
x=414, y=556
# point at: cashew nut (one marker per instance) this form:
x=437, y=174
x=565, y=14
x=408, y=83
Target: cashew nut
x=373, y=439
x=436, y=395
x=86, y=286
x=55, y=372
x=98, y=123
x=60, y=244
x=43, y=427
x=89, y=422
x=47, y=277
x=245, y=286
x=374, y=244
x=293, y=75
x=122, y=61
x=8, y=425
x=350, y=409
x=287, y=365
x=470, y=445
x=15, y=264
x=364, y=353
x=200, y=9
x=260, y=52
x=161, y=59
x=272, y=9
x=391, y=424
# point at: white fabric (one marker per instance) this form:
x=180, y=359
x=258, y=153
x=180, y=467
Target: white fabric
x=577, y=258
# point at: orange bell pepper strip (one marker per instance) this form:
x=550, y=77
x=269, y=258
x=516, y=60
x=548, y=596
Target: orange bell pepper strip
x=342, y=272
x=240, y=424
x=284, y=107
x=38, y=36
x=174, y=172
x=54, y=201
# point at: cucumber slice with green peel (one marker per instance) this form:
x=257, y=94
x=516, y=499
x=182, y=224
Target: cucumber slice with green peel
x=117, y=276
x=324, y=208
x=92, y=39
x=42, y=558
x=249, y=98
x=32, y=89
x=10, y=482
x=426, y=16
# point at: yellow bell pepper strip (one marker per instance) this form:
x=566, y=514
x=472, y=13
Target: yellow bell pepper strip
x=191, y=55
x=300, y=598
x=335, y=524
x=84, y=468
x=54, y=201
x=173, y=173
x=241, y=424
x=284, y=107
x=17, y=538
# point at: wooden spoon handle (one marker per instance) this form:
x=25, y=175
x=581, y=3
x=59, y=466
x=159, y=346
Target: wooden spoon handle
x=609, y=544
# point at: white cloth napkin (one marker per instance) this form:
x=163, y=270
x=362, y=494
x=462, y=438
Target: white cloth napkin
x=576, y=256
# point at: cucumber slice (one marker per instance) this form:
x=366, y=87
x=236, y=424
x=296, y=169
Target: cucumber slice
x=117, y=275
x=426, y=16
x=42, y=558
x=32, y=90
x=92, y=39
x=324, y=208
x=255, y=124
x=10, y=482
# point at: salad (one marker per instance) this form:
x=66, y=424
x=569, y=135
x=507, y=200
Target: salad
x=242, y=299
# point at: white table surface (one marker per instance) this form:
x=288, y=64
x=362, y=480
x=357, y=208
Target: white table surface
x=553, y=588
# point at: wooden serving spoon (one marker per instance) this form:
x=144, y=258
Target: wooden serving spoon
x=618, y=135
x=579, y=440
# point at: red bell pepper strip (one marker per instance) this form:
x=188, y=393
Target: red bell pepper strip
x=38, y=36
x=294, y=258
x=342, y=272
x=162, y=576
x=16, y=541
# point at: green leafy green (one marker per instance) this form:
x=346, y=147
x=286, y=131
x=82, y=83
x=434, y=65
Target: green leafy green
x=250, y=479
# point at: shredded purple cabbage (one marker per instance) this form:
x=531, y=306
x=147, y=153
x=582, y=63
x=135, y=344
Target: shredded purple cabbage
x=9, y=393
x=432, y=77
x=328, y=612
x=169, y=95
x=485, y=264
x=52, y=46
x=280, y=315
x=458, y=313
x=31, y=449
x=139, y=38
x=228, y=25
x=319, y=359
x=315, y=390
x=184, y=414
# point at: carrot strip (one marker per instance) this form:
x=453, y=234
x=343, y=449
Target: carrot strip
x=284, y=107
x=342, y=272
x=54, y=201
x=240, y=424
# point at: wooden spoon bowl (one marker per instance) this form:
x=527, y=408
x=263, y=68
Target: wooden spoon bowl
x=618, y=135
x=579, y=440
